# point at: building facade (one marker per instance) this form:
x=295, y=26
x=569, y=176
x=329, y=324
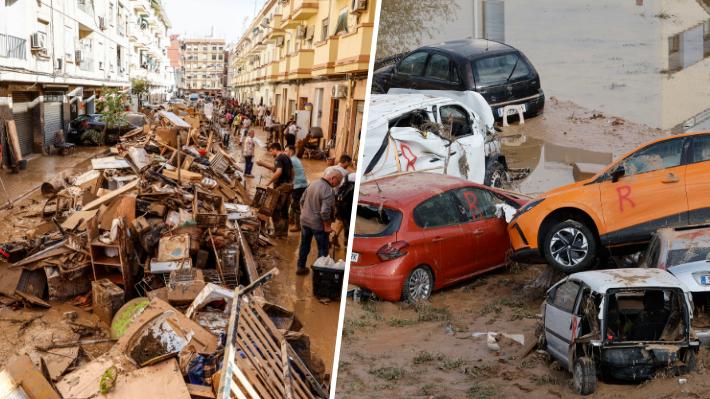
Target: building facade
x=56, y=56
x=174, y=55
x=309, y=58
x=203, y=66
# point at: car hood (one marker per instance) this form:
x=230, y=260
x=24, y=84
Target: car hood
x=689, y=274
x=386, y=70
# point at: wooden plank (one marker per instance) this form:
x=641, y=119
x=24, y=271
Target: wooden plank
x=14, y=141
x=108, y=197
x=251, y=265
x=200, y=391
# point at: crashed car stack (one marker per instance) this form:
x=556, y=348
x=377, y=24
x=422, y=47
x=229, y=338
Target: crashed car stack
x=162, y=222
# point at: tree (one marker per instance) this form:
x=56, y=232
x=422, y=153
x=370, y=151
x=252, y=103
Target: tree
x=404, y=24
x=111, y=106
x=139, y=87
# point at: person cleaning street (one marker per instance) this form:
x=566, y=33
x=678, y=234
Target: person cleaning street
x=249, y=145
x=282, y=180
x=300, y=182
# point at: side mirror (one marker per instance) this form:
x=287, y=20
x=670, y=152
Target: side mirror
x=617, y=173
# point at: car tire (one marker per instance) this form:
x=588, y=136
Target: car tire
x=584, y=376
x=565, y=242
x=418, y=285
x=496, y=175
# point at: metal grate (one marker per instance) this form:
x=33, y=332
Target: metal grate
x=12, y=47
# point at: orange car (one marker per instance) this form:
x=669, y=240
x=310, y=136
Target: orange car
x=665, y=183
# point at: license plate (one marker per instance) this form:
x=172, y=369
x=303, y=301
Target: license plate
x=354, y=257
x=512, y=111
x=705, y=279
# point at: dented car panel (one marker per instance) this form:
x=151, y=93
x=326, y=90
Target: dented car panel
x=629, y=322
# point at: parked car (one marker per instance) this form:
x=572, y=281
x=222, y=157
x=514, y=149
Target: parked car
x=499, y=72
x=420, y=132
x=625, y=324
x=83, y=123
x=663, y=183
x=685, y=253
x=418, y=232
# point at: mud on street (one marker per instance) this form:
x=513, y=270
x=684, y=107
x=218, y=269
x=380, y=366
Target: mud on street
x=440, y=349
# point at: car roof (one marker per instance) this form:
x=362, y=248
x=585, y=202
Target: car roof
x=471, y=48
x=406, y=190
x=603, y=280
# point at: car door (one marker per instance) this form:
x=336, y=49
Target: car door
x=409, y=70
x=459, y=123
x=440, y=74
x=486, y=233
x=697, y=183
x=441, y=226
x=651, y=194
x=560, y=321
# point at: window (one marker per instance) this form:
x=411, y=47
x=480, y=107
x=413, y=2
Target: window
x=521, y=72
x=665, y=154
x=476, y=203
x=438, y=212
x=700, y=149
x=494, y=70
x=565, y=296
x=324, y=29
x=413, y=64
x=68, y=44
x=214, y=57
x=455, y=118
x=342, y=25
x=675, y=61
x=438, y=67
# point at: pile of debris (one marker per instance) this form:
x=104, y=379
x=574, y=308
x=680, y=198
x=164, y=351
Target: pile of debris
x=161, y=223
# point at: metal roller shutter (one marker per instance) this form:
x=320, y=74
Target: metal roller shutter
x=52, y=121
x=22, y=113
x=494, y=20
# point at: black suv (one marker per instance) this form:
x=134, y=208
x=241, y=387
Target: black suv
x=500, y=73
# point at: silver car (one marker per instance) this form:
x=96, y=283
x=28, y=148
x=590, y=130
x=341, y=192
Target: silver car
x=624, y=324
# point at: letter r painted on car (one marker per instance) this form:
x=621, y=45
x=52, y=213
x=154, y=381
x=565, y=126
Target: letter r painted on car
x=624, y=193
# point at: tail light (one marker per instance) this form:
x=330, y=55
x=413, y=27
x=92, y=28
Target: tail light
x=393, y=250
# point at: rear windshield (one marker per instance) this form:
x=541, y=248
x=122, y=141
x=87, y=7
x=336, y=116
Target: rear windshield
x=680, y=256
x=373, y=221
x=499, y=69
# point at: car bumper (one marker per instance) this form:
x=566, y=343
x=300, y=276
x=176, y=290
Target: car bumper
x=383, y=279
x=533, y=104
x=528, y=255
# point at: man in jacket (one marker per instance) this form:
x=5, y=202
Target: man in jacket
x=317, y=209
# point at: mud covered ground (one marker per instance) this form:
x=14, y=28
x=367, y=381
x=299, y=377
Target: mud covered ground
x=399, y=351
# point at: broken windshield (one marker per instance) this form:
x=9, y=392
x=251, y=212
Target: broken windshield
x=373, y=221
x=645, y=315
x=687, y=255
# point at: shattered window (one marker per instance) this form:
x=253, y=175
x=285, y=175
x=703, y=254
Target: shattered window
x=438, y=212
x=438, y=67
x=455, y=118
x=413, y=64
x=687, y=255
x=565, y=295
x=700, y=149
x=373, y=221
x=665, y=154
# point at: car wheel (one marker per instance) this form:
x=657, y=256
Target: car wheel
x=584, y=376
x=570, y=247
x=496, y=176
x=418, y=285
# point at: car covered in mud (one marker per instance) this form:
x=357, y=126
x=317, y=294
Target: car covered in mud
x=418, y=232
x=89, y=128
x=499, y=72
x=624, y=324
x=663, y=183
x=685, y=252
x=422, y=132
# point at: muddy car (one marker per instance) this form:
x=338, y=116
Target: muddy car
x=684, y=252
x=421, y=132
x=499, y=72
x=623, y=324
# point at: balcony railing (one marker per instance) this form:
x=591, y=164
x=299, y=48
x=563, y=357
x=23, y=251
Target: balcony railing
x=12, y=47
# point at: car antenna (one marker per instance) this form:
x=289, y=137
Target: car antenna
x=379, y=190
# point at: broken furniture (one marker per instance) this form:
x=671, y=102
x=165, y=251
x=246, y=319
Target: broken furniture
x=110, y=259
x=312, y=144
x=107, y=299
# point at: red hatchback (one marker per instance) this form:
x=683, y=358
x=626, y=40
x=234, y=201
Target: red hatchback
x=417, y=232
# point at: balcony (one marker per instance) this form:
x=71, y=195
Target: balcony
x=272, y=71
x=354, y=50
x=284, y=67
x=325, y=55
x=12, y=47
x=301, y=64
x=303, y=9
x=141, y=6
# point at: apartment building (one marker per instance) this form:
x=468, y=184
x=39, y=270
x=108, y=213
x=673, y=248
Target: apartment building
x=309, y=59
x=174, y=55
x=203, y=63
x=56, y=56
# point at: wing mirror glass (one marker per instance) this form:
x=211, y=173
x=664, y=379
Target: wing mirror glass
x=618, y=173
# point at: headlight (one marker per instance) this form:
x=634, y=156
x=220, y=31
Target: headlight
x=527, y=207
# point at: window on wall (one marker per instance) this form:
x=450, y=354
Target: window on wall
x=342, y=26
x=674, y=57
x=68, y=44
x=324, y=29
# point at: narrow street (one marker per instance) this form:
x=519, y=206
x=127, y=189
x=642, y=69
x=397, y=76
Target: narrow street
x=319, y=318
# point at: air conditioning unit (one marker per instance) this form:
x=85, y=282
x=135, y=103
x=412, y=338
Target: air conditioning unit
x=359, y=6
x=301, y=32
x=78, y=56
x=340, y=91
x=37, y=41
x=102, y=23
